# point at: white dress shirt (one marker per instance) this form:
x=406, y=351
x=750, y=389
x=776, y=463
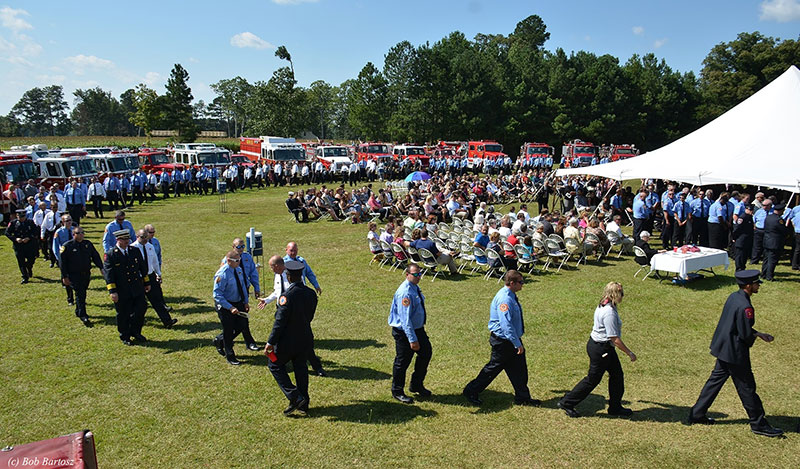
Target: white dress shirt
x=277, y=290
x=152, y=257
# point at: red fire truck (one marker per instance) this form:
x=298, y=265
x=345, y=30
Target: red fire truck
x=156, y=159
x=620, y=152
x=55, y=166
x=373, y=151
x=273, y=149
x=484, y=149
x=579, y=153
x=413, y=153
x=14, y=169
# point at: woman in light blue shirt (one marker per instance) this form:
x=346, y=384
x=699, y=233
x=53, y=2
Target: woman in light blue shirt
x=606, y=334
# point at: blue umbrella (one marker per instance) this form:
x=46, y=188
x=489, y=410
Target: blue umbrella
x=418, y=176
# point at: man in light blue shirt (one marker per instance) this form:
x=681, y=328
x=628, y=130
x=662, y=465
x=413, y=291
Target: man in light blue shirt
x=506, y=326
x=407, y=318
x=794, y=217
x=758, y=238
x=119, y=223
x=640, y=214
x=291, y=255
x=232, y=305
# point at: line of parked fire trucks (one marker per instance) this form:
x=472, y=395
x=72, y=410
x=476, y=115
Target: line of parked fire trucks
x=48, y=167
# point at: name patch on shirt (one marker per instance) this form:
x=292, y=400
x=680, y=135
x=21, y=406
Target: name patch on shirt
x=503, y=307
x=749, y=313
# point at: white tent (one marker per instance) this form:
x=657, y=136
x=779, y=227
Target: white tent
x=756, y=143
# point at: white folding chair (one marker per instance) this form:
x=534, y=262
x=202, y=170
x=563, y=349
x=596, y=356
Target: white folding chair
x=397, y=249
x=615, y=240
x=376, y=246
x=492, y=255
x=522, y=260
x=429, y=261
x=554, y=253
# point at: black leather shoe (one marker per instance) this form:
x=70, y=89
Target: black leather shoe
x=85, y=321
x=24, y=281
x=529, y=403
x=767, y=430
x=300, y=403
x=140, y=338
x=620, y=412
x=169, y=309
x=170, y=323
x=219, y=346
x=71, y=302
x=234, y=361
x=127, y=342
x=570, y=411
x=472, y=398
x=253, y=347
x=403, y=398
x=420, y=390
x=699, y=421
x=321, y=373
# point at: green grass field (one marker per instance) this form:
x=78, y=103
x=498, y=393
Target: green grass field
x=176, y=403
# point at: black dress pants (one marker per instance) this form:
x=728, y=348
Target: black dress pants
x=666, y=234
x=403, y=356
x=26, y=256
x=156, y=298
x=638, y=227
x=278, y=369
x=602, y=358
x=745, y=384
x=770, y=262
x=130, y=315
x=758, y=246
x=796, y=255
x=504, y=358
x=717, y=236
x=80, y=283
x=232, y=326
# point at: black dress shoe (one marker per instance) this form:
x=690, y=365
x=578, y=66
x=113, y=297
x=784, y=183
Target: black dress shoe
x=570, y=411
x=700, y=421
x=140, y=338
x=234, y=361
x=170, y=323
x=85, y=321
x=472, y=398
x=403, y=398
x=219, y=346
x=420, y=390
x=253, y=347
x=620, y=412
x=71, y=302
x=767, y=430
x=24, y=281
x=529, y=403
x=169, y=310
x=127, y=342
x=321, y=373
x=300, y=402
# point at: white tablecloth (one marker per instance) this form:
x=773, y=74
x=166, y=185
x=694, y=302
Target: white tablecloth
x=682, y=264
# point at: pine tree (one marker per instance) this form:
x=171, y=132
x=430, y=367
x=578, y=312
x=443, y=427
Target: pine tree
x=179, y=104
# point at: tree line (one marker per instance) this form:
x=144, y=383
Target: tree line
x=503, y=87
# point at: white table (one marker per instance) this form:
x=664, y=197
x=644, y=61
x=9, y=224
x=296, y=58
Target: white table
x=682, y=264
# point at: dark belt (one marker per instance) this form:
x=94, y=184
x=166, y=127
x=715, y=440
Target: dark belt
x=600, y=343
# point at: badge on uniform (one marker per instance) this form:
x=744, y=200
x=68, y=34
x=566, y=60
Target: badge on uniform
x=406, y=301
x=217, y=280
x=749, y=313
x=503, y=307
x=282, y=301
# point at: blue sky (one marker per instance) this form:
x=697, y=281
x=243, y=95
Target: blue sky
x=115, y=45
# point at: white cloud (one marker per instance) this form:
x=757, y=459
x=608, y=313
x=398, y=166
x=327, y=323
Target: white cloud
x=19, y=61
x=193, y=60
x=10, y=18
x=293, y=2
x=29, y=46
x=6, y=46
x=248, y=39
x=151, y=78
x=659, y=43
x=782, y=11
x=587, y=38
x=80, y=63
x=638, y=30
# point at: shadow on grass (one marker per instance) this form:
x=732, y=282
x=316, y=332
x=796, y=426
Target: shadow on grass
x=343, y=344
x=372, y=412
x=787, y=423
x=787, y=277
x=493, y=401
x=39, y=279
x=180, y=345
x=356, y=373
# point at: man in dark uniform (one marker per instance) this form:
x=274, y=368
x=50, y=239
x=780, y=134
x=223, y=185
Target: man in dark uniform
x=127, y=283
x=24, y=233
x=291, y=339
x=731, y=345
x=77, y=256
x=774, y=237
x=742, y=236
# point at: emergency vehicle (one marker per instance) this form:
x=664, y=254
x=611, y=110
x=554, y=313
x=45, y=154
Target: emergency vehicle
x=620, y=152
x=535, y=150
x=273, y=149
x=243, y=160
x=413, y=153
x=333, y=157
x=115, y=163
x=197, y=154
x=14, y=169
x=578, y=153
x=373, y=151
x=484, y=149
x=55, y=166
x=156, y=159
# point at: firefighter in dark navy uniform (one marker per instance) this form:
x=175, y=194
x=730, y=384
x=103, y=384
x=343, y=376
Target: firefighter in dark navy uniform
x=743, y=234
x=77, y=256
x=291, y=339
x=24, y=233
x=731, y=345
x=127, y=283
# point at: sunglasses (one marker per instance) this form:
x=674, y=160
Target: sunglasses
x=415, y=274
x=240, y=247
x=152, y=232
x=234, y=259
x=78, y=232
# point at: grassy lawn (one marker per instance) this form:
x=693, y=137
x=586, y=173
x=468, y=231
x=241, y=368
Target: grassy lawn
x=175, y=403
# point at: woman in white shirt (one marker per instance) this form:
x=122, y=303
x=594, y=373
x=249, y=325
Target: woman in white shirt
x=606, y=334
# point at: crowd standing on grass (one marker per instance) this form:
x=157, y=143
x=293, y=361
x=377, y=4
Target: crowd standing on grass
x=571, y=208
